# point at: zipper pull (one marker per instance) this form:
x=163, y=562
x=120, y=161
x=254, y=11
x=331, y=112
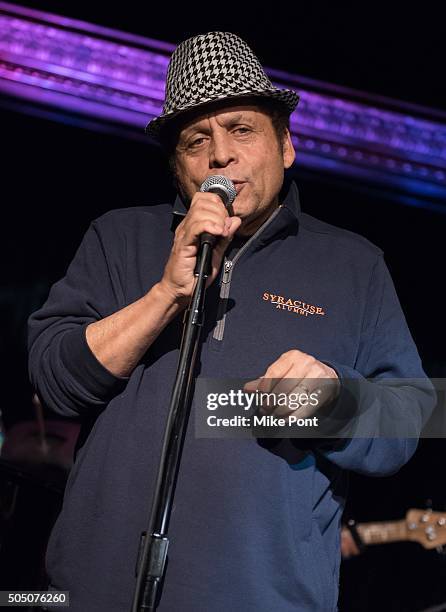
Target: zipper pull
x=227, y=267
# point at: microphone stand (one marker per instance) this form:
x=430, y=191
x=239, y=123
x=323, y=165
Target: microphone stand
x=152, y=555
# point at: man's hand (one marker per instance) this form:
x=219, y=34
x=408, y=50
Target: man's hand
x=301, y=374
x=206, y=214
x=121, y=339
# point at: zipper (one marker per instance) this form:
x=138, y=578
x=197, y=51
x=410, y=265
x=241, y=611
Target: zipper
x=224, y=294
x=228, y=268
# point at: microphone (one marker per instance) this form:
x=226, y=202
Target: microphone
x=223, y=187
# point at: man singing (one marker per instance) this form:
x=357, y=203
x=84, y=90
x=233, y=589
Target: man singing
x=255, y=525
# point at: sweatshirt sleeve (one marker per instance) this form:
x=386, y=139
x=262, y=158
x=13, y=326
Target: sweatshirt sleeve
x=387, y=392
x=63, y=370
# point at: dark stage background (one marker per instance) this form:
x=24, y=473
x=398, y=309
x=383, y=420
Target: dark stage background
x=58, y=177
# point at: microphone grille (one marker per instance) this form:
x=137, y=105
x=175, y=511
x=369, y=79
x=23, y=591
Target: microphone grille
x=221, y=185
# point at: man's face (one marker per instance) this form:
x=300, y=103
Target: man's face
x=238, y=142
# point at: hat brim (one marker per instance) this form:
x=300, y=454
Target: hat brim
x=287, y=97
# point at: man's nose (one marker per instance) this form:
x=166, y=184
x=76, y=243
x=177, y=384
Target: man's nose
x=222, y=151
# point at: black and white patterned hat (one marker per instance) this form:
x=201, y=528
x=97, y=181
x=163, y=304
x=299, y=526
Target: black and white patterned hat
x=211, y=67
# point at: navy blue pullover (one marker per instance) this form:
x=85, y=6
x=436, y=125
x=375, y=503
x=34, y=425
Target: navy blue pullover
x=255, y=524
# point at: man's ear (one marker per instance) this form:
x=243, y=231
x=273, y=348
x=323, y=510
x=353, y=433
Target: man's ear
x=288, y=152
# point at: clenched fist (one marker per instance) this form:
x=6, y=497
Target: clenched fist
x=206, y=213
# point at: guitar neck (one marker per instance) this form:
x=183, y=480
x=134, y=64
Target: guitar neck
x=382, y=532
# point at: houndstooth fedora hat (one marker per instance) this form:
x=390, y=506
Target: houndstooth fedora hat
x=212, y=67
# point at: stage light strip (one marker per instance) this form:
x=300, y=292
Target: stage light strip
x=117, y=79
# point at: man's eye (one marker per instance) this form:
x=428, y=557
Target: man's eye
x=196, y=142
x=242, y=130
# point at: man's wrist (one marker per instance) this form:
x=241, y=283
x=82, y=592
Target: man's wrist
x=165, y=295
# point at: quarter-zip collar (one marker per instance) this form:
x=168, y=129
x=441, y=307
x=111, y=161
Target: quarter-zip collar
x=179, y=211
x=287, y=221
x=179, y=207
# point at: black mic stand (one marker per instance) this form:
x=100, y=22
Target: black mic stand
x=152, y=555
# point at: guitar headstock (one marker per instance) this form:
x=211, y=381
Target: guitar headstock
x=426, y=527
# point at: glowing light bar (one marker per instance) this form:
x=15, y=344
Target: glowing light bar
x=113, y=80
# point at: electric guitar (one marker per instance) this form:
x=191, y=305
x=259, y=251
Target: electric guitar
x=426, y=527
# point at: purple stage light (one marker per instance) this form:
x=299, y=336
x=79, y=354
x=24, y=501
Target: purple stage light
x=115, y=80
